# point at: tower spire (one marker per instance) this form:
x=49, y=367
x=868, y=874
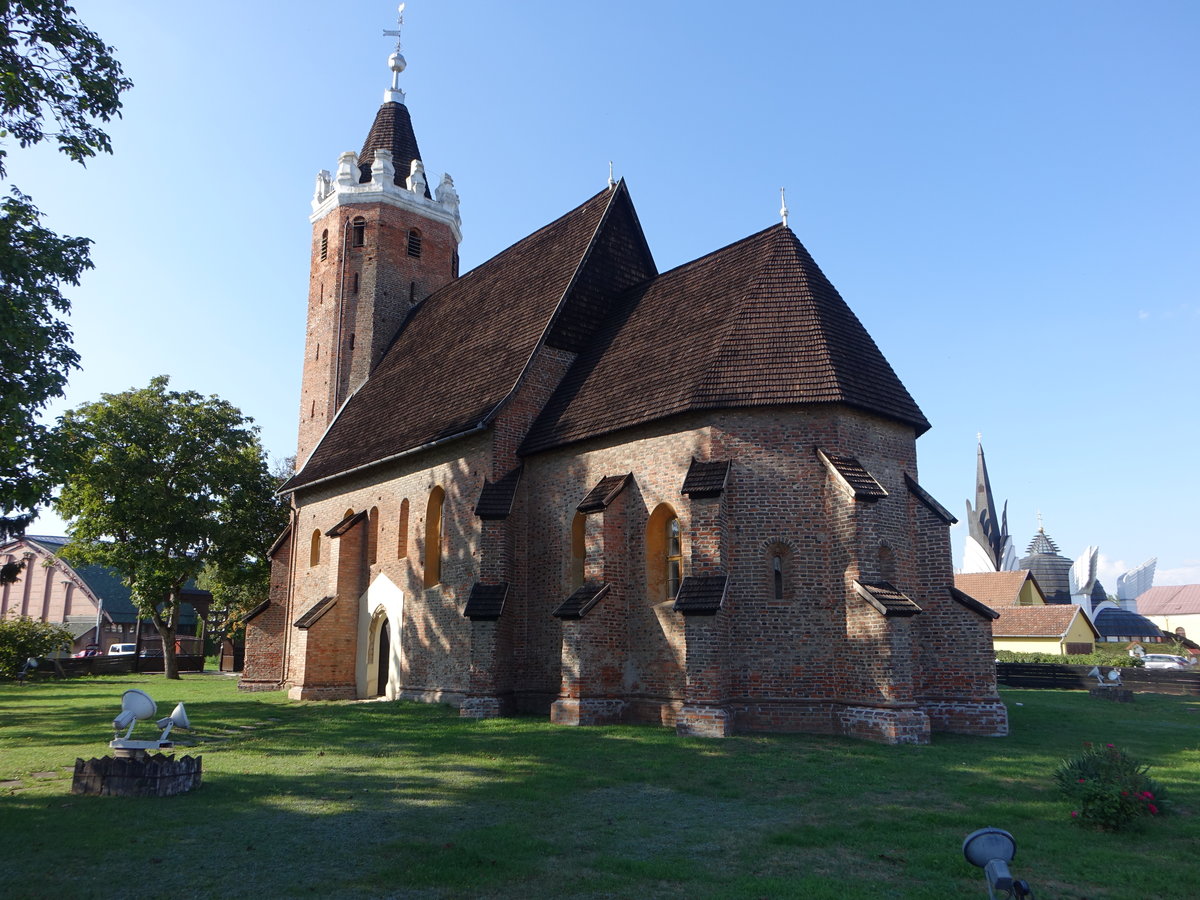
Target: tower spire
x=396, y=61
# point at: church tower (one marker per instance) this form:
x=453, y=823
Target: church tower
x=382, y=243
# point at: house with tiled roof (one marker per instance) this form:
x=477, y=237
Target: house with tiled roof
x=80, y=598
x=1173, y=608
x=1052, y=628
x=1000, y=589
x=569, y=484
x=1025, y=622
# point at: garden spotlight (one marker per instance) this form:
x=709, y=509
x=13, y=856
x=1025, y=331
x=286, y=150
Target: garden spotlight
x=992, y=849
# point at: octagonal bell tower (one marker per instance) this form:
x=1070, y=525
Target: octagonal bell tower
x=381, y=243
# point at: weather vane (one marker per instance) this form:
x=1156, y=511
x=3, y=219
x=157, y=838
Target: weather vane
x=399, y=24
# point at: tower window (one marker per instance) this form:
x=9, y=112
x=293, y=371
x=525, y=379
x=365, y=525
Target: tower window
x=454, y=264
x=314, y=548
x=325, y=244
x=777, y=576
x=354, y=284
x=414, y=243
x=402, y=531
x=358, y=232
x=351, y=340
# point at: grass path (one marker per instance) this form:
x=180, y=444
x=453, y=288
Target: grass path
x=404, y=800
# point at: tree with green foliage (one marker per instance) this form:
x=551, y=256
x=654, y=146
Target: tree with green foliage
x=160, y=484
x=58, y=82
x=238, y=589
x=22, y=637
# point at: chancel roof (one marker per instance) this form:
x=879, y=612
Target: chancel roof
x=756, y=323
x=1168, y=600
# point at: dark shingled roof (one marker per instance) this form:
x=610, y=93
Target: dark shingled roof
x=705, y=479
x=927, y=499
x=753, y=324
x=577, y=605
x=460, y=353
x=486, y=601
x=854, y=474
x=391, y=130
x=1052, y=571
x=496, y=497
x=1112, y=622
x=604, y=493
x=318, y=609
x=887, y=599
x=701, y=595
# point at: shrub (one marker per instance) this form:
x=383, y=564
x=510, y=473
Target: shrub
x=1108, y=789
x=1101, y=656
x=22, y=637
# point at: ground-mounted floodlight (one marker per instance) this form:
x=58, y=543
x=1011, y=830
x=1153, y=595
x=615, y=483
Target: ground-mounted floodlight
x=137, y=706
x=992, y=849
x=1113, y=676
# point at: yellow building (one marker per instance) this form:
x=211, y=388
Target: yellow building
x=1027, y=623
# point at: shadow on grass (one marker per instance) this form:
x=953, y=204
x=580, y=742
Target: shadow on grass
x=397, y=799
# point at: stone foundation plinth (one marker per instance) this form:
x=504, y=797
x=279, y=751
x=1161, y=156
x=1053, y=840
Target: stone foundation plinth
x=704, y=721
x=485, y=708
x=885, y=725
x=567, y=711
x=139, y=776
x=1116, y=694
x=985, y=718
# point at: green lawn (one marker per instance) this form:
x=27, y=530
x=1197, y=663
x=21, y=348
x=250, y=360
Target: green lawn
x=405, y=800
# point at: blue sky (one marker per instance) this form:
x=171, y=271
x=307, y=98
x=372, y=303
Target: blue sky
x=1005, y=194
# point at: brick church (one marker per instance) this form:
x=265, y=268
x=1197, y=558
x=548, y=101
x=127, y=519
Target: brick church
x=568, y=484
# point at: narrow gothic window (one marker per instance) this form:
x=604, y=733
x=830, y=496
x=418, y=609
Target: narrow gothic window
x=454, y=264
x=402, y=529
x=674, y=558
x=777, y=575
x=318, y=356
x=354, y=284
x=433, y=536
x=358, y=232
x=578, y=549
x=312, y=410
x=373, y=535
x=664, y=554
x=314, y=548
x=325, y=244
x=414, y=243
x=351, y=340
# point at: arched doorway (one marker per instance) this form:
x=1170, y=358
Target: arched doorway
x=384, y=657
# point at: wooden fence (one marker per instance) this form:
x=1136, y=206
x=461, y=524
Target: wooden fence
x=1057, y=675
x=114, y=665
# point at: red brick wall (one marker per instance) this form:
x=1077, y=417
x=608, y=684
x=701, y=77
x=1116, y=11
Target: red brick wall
x=373, y=286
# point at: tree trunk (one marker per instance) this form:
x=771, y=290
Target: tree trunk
x=166, y=631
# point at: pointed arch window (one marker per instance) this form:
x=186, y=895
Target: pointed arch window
x=402, y=531
x=578, y=549
x=664, y=554
x=414, y=244
x=314, y=548
x=434, y=531
x=777, y=576
x=373, y=536
x=779, y=570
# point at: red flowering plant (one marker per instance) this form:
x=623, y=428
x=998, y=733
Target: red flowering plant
x=1108, y=788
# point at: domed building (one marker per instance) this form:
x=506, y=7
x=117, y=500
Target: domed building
x=1051, y=569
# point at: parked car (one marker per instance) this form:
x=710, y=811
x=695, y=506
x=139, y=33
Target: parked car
x=89, y=650
x=1164, y=661
x=122, y=649
x=151, y=652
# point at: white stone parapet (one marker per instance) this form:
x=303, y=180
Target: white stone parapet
x=345, y=190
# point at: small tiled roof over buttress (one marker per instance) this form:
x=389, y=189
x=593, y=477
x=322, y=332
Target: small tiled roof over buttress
x=756, y=323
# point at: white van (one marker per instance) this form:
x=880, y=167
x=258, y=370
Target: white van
x=122, y=649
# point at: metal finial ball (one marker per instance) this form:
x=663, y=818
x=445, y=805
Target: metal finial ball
x=396, y=62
